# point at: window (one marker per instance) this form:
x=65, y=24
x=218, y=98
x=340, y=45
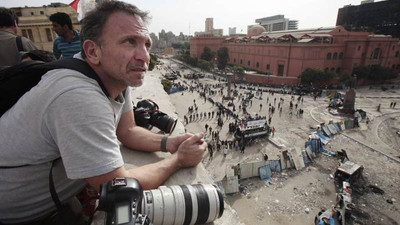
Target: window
x=24, y=33
x=334, y=55
x=30, y=35
x=329, y=56
x=48, y=33
x=32, y=13
x=398, y=66
x=281, y=68
x=393, y=47
x=241, y=61
x=41, y=12
x=333, y=69
x=397, y=54
x=234, y=60
x=338, y=70
x=257, y=64
x=248, y=63
x=267, y=66
x=341, y=55
x=377, y=52
x=359, y=48
x=326, y=69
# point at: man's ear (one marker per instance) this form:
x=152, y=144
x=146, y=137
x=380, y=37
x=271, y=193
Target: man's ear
x=15, y=27
x=92, y=51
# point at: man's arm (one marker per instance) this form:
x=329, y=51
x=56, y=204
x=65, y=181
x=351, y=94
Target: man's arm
x=189, y=154
x=56, y=52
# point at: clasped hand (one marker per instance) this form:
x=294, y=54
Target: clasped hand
x=191, y=149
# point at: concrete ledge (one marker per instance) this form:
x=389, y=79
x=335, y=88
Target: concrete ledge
x=153, y=89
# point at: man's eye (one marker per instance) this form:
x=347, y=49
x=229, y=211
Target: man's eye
x=131, y=41
x=148, y=45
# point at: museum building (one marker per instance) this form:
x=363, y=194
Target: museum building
x=281, y=56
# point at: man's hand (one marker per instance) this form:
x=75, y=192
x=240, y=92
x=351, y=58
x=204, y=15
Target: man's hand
x=191, y=151
x=174, y=142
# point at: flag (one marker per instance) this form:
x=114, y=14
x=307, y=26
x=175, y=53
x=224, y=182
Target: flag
x=74, y=4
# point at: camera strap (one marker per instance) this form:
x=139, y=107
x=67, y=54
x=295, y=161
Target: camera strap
x=52, y=188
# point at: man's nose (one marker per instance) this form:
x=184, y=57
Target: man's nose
x=142, y=54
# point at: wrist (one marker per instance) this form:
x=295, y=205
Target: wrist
x=164, y=143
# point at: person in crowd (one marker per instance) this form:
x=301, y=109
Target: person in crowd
x=68, y=43
x=10, y=43
x=69, y=126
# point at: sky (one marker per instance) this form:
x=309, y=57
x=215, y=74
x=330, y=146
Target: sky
x=188, y=16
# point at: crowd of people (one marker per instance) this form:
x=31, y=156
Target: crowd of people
x=233, y=110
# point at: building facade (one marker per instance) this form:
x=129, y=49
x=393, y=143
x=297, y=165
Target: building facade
x=277, y=23
x=34, y=23
x=381, y=17
x=285, y=55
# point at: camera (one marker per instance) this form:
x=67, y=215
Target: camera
x=147, y=115
x=125, y=203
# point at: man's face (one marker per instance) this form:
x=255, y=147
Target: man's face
x=58, y=29
x=125, y=45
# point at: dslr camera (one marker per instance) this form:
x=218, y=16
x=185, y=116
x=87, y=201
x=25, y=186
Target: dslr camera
x=147, y=115
x=125, y=202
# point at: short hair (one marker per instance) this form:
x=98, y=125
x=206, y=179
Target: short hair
x=62, y=19
x=94, y=21
x=7, y=17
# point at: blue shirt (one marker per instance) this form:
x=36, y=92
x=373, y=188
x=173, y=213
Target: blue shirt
x=67, y=49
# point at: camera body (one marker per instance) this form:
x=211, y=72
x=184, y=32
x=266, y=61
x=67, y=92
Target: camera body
x=125, y=202
x=147, y=115
x=121, y=199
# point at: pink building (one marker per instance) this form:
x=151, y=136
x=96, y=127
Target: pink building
x=286, y=54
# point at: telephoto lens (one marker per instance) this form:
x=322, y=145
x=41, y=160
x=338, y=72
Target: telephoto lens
x=183, y=205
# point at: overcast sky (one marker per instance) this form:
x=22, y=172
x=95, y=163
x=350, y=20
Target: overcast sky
x=188, y=16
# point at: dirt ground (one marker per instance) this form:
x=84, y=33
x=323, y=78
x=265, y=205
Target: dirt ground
x=295, y=197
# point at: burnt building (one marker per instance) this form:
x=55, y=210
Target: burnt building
x=379, y=17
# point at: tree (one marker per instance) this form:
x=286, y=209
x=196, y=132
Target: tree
x=205, y=65
x=222, y=57
x=346, y=79
x=375, y=72
x=315, y=75
x=153, y=61
x=239, y=71
x=207, y=54
x=166, y=85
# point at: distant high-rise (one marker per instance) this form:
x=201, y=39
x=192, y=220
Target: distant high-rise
x=209, y=25
x=277, y=23
x=379, y=17
x=209, y=29
x=232, y=30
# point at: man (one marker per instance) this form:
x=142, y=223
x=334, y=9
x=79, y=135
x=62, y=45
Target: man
x=68, y=115
x=67, y=44
x=9, y=50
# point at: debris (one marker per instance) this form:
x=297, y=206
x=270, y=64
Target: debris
x=376, y=189
x=307, y=210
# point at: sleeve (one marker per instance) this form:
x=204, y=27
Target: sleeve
x=128, y=101
x=81, y=123
x=56, y=51
x=28, y=44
